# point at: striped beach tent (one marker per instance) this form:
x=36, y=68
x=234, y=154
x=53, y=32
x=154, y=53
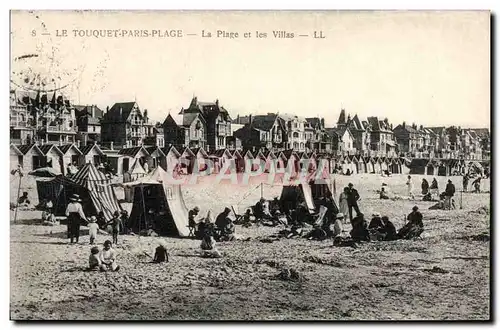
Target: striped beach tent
x=99, y=186
x=91, y=185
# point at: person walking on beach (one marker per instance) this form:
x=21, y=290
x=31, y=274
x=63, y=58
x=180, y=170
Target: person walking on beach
x=449, y=193
x=409, y=185
x=75, y=216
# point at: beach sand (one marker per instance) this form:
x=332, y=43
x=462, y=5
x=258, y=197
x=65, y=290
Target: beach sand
x=443, y=276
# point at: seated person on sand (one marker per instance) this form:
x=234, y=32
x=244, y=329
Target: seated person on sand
x=338, y=225
x=383, y=194
x=376, y=228
x=275, y=206
x=202, y=228
x=317, y=233
x=94, y=260
x=359, y=230
x=108, y=258
x=387, y=173
x=281, y=218
x=227, y=232
x=245, y=219
x=208, y=246
x=24, y=201
x=389, y=230
x=161, y=254
x=414, y=227
x=221, y=221
x=376, y=222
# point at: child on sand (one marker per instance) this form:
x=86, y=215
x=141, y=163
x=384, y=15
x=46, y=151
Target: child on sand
x=94, y=261
x=108, y=258
x=93, y=227
x=161, y=254
x=208, y=246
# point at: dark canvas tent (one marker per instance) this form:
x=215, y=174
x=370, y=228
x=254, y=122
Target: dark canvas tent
x=93, y=187
x=169, y=216
x=311, y=193
x=418, y=166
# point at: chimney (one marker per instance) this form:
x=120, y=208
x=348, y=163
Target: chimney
x=421, y=127
x=250, y=120
x=322, y=122
x=78, y=143
x=404, y=125
x=107, y=109
x=237, y=119
x=93, y=111
x=121, y=111
x=217, y=103
x=111, y=145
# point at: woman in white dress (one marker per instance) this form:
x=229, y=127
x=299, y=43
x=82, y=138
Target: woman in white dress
x=343, y=206
x=409, y=184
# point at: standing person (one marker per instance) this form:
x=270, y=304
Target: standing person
x=192, y=219
x=477, y=185
x=101, y=220
x=449, y=193
x=75, y=216
x=434, y=188
x=465, y=182
x=409, y=185
x=425, y=187
x=352, y=200
x=93, y=227
x=116, y=224
x=124, y=219
x=343, y=203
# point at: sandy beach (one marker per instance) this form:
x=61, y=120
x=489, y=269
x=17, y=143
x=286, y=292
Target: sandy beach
x=443, y=276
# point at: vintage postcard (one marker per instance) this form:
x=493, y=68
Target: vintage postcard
x=250, y=165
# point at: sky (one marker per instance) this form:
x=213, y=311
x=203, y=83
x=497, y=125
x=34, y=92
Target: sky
x=431, y=68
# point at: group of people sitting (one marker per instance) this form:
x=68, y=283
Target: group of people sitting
x=382, y=229
x=222, y=229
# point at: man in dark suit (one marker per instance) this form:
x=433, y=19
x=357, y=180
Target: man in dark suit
x=352, y=200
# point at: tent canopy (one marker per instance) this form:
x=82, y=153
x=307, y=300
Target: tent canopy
x=92, y=186
x=311, y=194
x=158, y=205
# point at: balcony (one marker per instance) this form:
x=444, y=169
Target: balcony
x=15, y=123
x=135, y=134
x=59, y=129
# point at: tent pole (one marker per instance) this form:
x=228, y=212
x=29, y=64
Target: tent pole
x=17, y=199
x=143, y=208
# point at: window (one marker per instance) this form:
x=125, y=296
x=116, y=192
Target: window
x=295, y=134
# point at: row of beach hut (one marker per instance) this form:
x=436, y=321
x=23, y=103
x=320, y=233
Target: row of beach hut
x=185, y=160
